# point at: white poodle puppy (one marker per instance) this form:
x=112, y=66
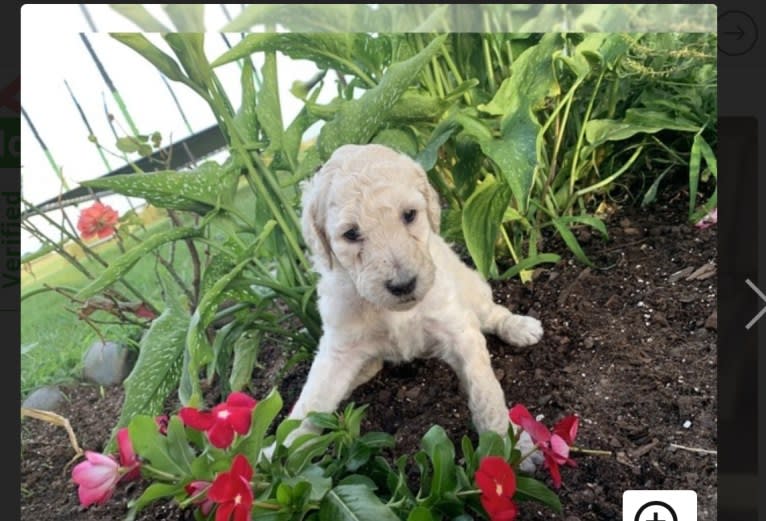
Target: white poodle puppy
x=392, y=289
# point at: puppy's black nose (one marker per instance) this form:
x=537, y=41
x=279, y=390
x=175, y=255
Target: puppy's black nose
x=402, y=289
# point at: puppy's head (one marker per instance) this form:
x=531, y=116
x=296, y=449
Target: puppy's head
x=370, y=212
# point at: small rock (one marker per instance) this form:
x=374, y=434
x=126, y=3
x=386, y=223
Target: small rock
x=631, y=231
x=413, y=393
x=48, y=398
x=499, y=374
x=588, y=343
x=704, y=272
x=543, y=400
x=687, y=424
x=108, y=363
x=712, y=321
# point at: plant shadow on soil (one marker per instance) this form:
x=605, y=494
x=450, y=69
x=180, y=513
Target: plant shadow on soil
x=631, y=349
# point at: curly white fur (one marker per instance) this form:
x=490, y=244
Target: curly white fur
x=392, y=289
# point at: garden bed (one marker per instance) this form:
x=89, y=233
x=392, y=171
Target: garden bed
x=631, y=349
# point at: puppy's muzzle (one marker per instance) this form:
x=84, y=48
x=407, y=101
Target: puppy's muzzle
x=401, y=289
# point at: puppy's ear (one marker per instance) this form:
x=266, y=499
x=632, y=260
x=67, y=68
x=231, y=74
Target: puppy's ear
x=433, y=205
x=314, y=215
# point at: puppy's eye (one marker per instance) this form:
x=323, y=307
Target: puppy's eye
x=409, y=216
x=352, y=235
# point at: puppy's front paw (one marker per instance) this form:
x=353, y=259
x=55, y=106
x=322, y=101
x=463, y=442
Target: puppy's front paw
x=525, y=445
x=522, y=331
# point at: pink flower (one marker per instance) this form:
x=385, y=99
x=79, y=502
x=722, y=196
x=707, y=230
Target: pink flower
x=708, y=220
x=198, y=488
x=224, y=420
x=497, y=482
x=97, y=220
x=96, y=478
x=554, y=445
x=232, y=491
x=129, y=463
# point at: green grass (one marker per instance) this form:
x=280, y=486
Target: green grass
x=53, y=339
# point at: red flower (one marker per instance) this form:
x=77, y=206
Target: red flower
x=554, y=445
x=224, y=420
x=231, y=490
x=128, y=459
x=96, y=478
x=97, y=220
x=497, y=482
x=198, y=488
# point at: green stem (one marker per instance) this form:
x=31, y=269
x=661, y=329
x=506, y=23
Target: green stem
x=581, y=136
x=159, y=473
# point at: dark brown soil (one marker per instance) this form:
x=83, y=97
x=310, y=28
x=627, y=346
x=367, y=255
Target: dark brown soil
x=630, y=348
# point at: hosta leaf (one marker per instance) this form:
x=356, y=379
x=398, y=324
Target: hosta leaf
x=636, y=121
x=359, y=120
x=482, y=215
x=532, y=80
x=198, y=190
x=354, y=503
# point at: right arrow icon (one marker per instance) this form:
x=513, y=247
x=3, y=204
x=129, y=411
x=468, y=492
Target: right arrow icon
x=763, y=297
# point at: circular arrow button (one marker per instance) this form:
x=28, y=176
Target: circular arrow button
x=737, y=33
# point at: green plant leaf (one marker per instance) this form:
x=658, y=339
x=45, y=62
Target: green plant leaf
x=263, y=416
x=700, y=150
x=482, y=215
x=357, y=121
x=420, y=513
x=637, y=120
x=532, y=80
x=154, y=55
x=122, y=264
x=529, y=263
x=246, y=117
x=402, y=140
x=157, y=370
x=571, y=241
x=199, y=349
x=152, y=446
x=354, y=503
x=178, y=444
x=199, y=190
x=345, y=52
x=430, y=153
x=269, y=109
x=531, y=489
x=441, y=451
x=190, y=51
x=154, y=492
x=246, y=349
